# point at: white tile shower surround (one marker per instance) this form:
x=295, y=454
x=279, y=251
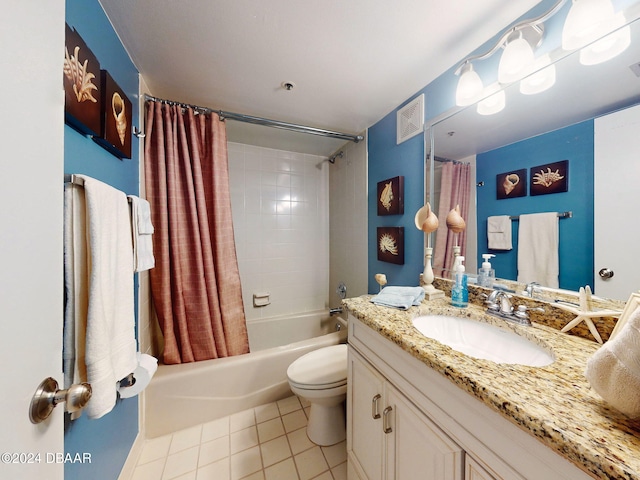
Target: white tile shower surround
x=263, y=443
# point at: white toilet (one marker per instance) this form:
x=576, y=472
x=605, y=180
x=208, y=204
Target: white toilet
x=320, y=377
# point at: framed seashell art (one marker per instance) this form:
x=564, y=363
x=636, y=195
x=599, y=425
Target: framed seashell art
x=511, y=184
x=116, y=118
x=391, y=244
x=550, y=178
x=391, y=196
x=82, y=85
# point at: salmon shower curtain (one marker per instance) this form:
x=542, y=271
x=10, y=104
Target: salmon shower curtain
x=455, y=190
x=196, y=283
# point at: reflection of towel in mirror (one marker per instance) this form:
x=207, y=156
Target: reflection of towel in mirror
x=142, y=229
x=538, y=249
x=399, y=297
x=499, y=232
x=614, y=370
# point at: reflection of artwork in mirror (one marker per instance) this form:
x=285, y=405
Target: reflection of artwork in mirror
x=511, y=184
x=391, y=244
x=116, y=119
x=391, y=196
x=550, y=178
x=82, y=87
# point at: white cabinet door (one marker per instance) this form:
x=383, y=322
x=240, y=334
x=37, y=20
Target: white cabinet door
x=364, y=418
x=474, y=471
x=616, y=200
x=416, y=448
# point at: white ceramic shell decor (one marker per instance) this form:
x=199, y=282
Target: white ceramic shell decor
x=381, y=279
x=455, y=222
x=426, y=220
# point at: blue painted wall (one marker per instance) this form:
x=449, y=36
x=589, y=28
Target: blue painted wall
x=109, y=438
x=388, y=160
x=573, y=143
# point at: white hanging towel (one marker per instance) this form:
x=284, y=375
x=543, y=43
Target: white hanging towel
x=538, y=237
x=142, y=230
x=76, y=285
x=499, y=232
x=614, y=370
x=110, y=351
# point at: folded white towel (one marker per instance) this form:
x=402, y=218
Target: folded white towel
x=399, y=297
x=143, y=258
x=538, y=238
x=499, y=232
x=614, y=370
x=110, y=335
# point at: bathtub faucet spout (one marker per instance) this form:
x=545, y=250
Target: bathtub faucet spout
x=335, y=311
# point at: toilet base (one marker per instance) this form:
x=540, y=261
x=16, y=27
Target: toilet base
x=326, y=424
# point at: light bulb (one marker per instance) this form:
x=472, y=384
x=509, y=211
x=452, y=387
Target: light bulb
x=469, y=86
x=515, y=61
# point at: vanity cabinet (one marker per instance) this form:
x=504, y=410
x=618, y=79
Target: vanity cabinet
x=389, y=438
x=407, y=421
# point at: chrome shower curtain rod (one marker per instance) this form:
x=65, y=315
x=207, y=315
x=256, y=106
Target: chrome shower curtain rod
x=264, y=121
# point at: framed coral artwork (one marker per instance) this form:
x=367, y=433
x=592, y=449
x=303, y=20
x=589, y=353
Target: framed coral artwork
x=511, y=184
x=391, y=196
x=116, y=118
x=391, y=244
x=550, y=178
x=82, y=85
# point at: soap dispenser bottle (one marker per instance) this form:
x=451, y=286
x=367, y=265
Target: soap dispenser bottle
x=459, y=292
x=486, y=274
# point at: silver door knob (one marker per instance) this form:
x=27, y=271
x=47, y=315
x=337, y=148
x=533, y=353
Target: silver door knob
x=48, y=395
x=605, y=273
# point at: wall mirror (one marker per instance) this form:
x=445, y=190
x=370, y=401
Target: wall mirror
x=580, y=94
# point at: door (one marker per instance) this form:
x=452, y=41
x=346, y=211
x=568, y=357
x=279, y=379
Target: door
x=32, y=99
x=616, y=200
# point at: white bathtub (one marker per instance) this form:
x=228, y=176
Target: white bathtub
x=181, y=396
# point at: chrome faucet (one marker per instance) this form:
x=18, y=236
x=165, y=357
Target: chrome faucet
x=531, y=289
x=335, y=311
x=500, y=302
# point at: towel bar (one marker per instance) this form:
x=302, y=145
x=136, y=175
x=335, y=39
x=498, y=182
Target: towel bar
x=568, y=214
x=76, y=180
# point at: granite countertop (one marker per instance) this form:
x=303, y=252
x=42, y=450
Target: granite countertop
x=554, y=403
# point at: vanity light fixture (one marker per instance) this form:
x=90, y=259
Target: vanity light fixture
x=469, y=86
x=590, y=20
x=516, y=60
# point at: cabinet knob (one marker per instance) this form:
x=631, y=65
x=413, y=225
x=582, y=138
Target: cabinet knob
x=375, y=414
x=386, y=427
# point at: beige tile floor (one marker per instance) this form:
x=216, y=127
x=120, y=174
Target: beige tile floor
x=264, y=443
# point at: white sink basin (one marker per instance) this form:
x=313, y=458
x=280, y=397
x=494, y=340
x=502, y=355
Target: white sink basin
x=482, y=340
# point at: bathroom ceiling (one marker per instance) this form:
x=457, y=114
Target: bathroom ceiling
x=352, y=62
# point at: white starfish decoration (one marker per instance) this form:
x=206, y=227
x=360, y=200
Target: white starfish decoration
x=585, y=314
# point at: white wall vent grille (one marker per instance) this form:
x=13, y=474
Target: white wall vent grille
x=410, y=119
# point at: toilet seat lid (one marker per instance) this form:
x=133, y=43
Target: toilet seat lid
x=323, y=367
